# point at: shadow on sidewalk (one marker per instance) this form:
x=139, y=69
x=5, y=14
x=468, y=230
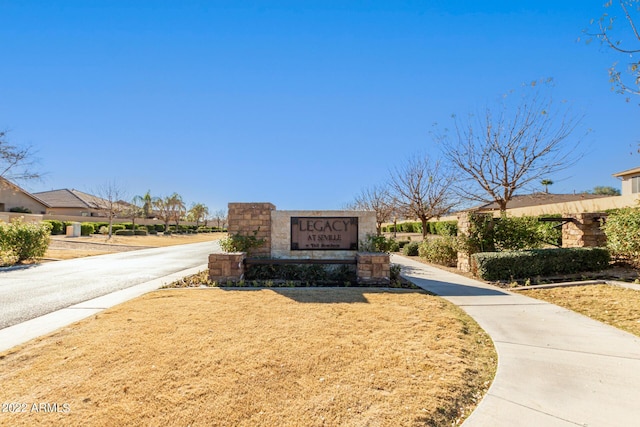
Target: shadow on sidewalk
x=446, y=289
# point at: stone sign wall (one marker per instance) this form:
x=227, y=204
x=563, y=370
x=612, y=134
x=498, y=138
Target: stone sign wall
x=319, y=234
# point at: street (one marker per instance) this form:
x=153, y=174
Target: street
x=32, y=291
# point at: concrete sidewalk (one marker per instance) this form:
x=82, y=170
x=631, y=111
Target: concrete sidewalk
x=25, y=331
x=555, y=367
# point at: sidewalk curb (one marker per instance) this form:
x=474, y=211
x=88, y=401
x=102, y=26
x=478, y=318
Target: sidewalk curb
x=26, y=331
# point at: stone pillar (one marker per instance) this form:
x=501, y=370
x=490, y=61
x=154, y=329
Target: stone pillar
x=584, y=231
x=225, y=267
x=246, y=218
x=464, y=259
x=373, y=268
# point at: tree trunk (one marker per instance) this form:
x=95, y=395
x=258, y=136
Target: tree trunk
x=424, y=227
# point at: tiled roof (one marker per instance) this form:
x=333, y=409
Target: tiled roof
x=66, y=198
x=538, y=199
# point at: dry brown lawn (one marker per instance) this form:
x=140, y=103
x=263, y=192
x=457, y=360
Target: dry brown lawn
x=278, y=357
x=67, y=248
x=614, y=305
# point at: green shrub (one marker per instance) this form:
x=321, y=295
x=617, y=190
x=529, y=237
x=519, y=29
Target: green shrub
x=538, y=262
x=116, y=227
x=411, y=249
x=24, y=240
x=239, y=243
x=440, y=250
x=623, y=233
x=87, y=228
x=99, y=225
x=516, y=233
x=550, y=232
x=56, y=226
x=20, y=209
x=311, y=274
x=159, y=228
x=446, y=228
x=374, y=243
x=403, y=243
x=124, y=232
x=140, y=233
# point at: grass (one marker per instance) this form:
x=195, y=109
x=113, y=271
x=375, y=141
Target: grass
x=613, y=305
x=312, y=357
x=74, y=248
x=150, y=241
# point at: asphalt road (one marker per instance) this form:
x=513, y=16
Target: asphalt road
x=31, y=292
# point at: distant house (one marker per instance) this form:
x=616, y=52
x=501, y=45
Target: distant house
x=538, y=199
x=630, y=181
x=12, y=197
x=73, y=203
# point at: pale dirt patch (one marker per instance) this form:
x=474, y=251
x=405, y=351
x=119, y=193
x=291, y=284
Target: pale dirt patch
x=613, y=305
x=285, y=357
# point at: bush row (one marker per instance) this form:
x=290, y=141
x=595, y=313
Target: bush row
x=87, y=228
x=131, y=233
x=442, y=228
x=510, y=265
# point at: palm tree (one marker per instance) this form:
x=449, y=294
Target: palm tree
x=546, y=183
x=198, y=212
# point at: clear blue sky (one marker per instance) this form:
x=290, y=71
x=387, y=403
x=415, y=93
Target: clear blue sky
x=301, y=103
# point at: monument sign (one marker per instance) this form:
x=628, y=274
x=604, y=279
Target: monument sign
x=324, y=233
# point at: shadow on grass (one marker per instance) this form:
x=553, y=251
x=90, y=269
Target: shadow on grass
x=329, y=295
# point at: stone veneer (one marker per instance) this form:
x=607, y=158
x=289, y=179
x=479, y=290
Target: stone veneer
x=373, y=268
x=227, y=266
x=275, y=227
x=584, y=231
x=281, y=233
x=246, y=218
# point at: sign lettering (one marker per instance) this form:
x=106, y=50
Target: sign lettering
x=324, y=233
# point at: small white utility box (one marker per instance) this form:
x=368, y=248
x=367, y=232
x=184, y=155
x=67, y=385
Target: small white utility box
x=74, y=230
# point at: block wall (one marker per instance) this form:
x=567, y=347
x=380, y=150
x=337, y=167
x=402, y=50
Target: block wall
x=246, y=218
x=373, y=268
x=584, y=231
x=228, y=266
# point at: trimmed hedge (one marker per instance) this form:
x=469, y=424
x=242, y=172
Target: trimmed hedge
x=56, y=226
x=539, y=262
x=124, y=232
x=87, y=228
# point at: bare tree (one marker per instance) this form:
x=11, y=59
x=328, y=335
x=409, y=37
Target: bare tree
x=423, y=189
x=508, y=148
x=135, y=209
x=623, y=38
x=220, y=216
x=112, y=195
x=377, y=199
x=16, y=162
